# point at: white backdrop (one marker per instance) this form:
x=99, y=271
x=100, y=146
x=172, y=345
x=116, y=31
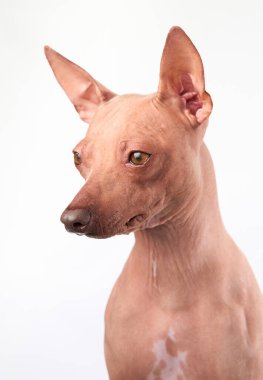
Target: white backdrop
x=54, y=285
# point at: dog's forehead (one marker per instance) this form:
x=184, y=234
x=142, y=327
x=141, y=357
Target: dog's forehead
x=121, y=111
x=128, y=115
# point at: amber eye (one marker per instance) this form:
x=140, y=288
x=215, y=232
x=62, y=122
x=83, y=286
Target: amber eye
x=139, y=158
x=77, y=158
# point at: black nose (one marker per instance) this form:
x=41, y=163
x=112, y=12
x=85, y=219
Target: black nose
x=76, y=220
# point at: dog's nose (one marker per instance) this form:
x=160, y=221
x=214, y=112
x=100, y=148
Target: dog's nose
x=76, y=220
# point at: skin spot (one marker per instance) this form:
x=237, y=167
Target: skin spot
x=123, y=145
x=169, y=360
x=171, y=347
x=158, y=370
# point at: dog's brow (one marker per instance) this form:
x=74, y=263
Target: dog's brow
x=123, y=145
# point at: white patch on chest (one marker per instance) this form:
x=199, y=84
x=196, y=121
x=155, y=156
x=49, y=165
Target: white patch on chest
x=167, y=366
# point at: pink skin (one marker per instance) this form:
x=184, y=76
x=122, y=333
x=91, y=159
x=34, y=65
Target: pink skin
x=187, y=305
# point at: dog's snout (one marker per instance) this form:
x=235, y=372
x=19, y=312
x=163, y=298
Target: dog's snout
x=76, y=220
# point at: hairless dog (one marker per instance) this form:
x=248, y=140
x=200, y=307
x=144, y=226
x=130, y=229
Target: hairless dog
x=186, y=305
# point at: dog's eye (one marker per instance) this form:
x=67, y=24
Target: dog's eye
x=139, y=158
x=77, y=158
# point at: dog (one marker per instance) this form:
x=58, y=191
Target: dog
x=186, y=305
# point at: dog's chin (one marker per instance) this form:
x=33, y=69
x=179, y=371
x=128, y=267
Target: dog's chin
x=106, y=235
x=94, y=234
x=98, y=236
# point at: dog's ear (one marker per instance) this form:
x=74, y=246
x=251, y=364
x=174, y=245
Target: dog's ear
x=84, y=92
x=182, y=74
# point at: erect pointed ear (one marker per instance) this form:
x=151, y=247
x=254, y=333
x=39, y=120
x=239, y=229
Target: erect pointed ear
x=182, y=74
x=84, y=92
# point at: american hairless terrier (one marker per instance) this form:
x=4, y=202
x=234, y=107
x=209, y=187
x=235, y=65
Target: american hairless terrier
x=186, y=305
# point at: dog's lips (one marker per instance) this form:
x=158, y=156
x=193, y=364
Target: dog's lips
x=127, y=228
x=130, y=226
x=80, y=231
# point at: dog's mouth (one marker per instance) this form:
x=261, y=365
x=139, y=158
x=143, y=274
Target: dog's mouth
x=114, y=226
x=137, y=219
x=132, y=224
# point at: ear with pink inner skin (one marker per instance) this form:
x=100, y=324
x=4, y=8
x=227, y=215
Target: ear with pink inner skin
x=182, y=74
x=84, y=92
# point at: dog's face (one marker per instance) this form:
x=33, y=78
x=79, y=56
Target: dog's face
x=134, y=160
x=139, y=158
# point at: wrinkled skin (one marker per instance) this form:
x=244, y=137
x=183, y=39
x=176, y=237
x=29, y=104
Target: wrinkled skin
x=115, y=190
x=186, y=305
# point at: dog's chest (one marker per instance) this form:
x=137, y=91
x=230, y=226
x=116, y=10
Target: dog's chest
x=144, y=348
x=143, y=342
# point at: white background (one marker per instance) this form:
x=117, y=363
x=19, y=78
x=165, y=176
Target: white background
x=54, y=285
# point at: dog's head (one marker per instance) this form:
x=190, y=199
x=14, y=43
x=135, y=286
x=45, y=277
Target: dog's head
x=140, y=156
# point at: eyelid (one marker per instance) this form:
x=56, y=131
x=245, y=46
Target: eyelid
x=128, y=152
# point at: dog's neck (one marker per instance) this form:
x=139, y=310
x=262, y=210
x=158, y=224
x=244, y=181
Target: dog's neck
x=178, y=256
